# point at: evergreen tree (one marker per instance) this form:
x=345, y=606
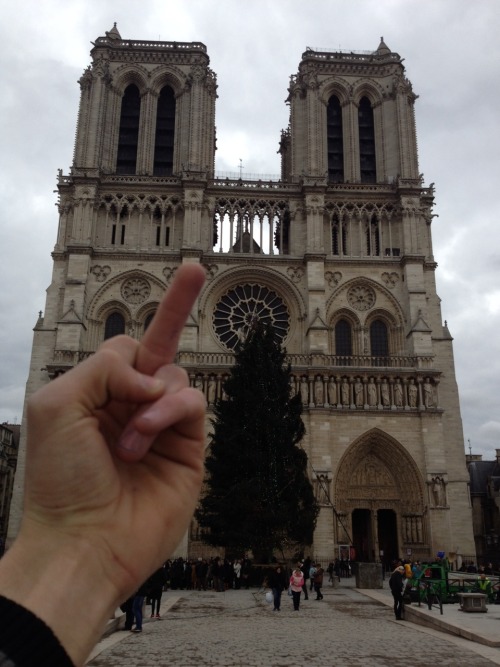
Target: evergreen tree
x=258, y=495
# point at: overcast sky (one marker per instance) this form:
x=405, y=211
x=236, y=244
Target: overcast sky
x=452, y=57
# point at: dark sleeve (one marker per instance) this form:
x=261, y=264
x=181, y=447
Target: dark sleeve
x=26, y=641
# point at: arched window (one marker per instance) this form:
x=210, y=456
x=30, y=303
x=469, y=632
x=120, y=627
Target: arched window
x=335, y=140
x=115, y=325
x=148, y=321
x=366, y=142
x=343, y=339
x=128, y=139
x=339, y=236
x=164, y=137
x=379, y=339
x=373, y=237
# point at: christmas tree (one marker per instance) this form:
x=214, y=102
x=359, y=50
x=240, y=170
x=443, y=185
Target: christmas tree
x=257, y=494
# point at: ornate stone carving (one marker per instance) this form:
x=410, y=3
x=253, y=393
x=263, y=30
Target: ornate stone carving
x=238, y=309
x=390, y=279
x=319, y=399
x=429, y=401
x=169, y=272
x=211, y=270
x=100, y=272
x=322, y=483
x=361, y=297
x=438, y=491
x=135, y=290
x=295, y=273
x=333, y=278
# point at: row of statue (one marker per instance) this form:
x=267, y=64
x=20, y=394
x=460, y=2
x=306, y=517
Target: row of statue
x=344, y=392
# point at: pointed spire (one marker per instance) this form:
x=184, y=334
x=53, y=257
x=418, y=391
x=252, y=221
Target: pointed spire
x=113, y=33
x=446, y=331
x=383, y=49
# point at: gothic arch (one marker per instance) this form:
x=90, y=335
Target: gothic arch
x=110, y=292
x=168, y=76
x=113, y=306
x=334, y=86
x=128, y=74
x=353, y=319
x=391, y=309
x=375, y=472
x=370, y=89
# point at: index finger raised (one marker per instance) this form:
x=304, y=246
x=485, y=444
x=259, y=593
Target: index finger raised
x=159, y=344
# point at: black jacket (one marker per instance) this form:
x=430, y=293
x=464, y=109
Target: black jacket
x=277, y=580
x=396, y=582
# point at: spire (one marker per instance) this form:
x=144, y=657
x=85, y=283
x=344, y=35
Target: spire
x=383, y=49
x=113, y=33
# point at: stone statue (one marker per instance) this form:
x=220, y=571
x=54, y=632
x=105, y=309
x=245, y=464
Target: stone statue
x=198, y=383
x=318, y=391
x=384, y=393
x=211, y=390
x=358, y=393
x=428, y=394
x=372, y=393
x=304, y=391
x=345, y=392
x=332, y=391
x=398, y=394
x=412, y=394
x=438, y=491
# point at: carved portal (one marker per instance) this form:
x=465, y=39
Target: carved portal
x=377, y=473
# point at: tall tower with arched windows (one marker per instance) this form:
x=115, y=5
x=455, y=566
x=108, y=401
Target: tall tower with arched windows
x=336, y=254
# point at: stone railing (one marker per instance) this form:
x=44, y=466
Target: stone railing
x=312, y=361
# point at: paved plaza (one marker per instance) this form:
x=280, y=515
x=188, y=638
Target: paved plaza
x=239, y=629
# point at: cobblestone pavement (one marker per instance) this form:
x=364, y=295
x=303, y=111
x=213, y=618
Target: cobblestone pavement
x=239, y=629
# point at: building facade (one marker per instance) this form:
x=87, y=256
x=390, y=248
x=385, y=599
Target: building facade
x=485, y=498
x=9, y=444
x=336, y=254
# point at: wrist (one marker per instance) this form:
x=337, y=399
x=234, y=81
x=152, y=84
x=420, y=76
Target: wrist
x=53, y=578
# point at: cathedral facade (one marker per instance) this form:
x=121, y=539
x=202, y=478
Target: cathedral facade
x=336, y=254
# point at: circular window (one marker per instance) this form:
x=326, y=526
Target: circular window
x=361, y=297
x=241, y=306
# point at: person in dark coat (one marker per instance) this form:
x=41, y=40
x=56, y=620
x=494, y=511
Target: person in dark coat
x=126, y=607
x=137, y=606
x=277, y=583
x=155, y=589
x=396, y=584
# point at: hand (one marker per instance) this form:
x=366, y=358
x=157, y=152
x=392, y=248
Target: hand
x=114, y=464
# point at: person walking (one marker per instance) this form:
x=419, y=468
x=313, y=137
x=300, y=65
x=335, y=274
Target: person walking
x=277, y=583
x=318, y=581
x=137, y=606
x=396, y=584
x=296, y=584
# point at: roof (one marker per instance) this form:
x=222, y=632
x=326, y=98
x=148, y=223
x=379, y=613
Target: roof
x=479, y=472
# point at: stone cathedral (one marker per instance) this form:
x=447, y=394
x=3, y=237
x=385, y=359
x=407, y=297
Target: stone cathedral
x=336, y=253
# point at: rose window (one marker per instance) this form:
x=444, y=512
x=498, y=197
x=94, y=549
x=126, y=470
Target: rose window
x=244, y=305
x=361, y=297
x=135, y=290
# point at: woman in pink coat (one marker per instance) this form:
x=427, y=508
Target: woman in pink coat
x=296, y=583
